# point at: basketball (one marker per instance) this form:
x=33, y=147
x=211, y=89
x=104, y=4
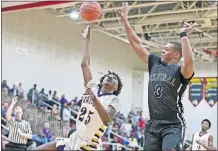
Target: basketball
x=90, y=11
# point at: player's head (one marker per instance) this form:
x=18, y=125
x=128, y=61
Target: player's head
x=172, y=52
x=18, y=113
x=205, y=124
x=111, y=82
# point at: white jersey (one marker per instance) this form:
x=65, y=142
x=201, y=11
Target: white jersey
x=204, y=139
x=89, y=126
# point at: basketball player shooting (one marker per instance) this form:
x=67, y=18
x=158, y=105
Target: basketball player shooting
x=99, y=106
x=202, y=140
x=167, y=83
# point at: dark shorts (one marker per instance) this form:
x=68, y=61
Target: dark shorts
x=163, y=135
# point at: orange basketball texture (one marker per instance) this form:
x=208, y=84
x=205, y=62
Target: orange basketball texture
x=90, y=11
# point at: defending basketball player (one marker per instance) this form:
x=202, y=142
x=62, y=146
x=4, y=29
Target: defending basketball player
x=99, y=106
x=167, y=83
x=202, y=140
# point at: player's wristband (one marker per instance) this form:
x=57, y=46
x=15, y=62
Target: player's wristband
x=183, y=34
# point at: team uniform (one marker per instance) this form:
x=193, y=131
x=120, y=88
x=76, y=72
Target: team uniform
x=89, y=126
x=165, y=129
x=204, y=139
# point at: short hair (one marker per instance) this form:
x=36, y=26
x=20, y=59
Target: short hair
x=208, y=121
x=120, y=85
x=178, y=47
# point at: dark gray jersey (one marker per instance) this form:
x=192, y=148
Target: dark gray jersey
x=165, y=90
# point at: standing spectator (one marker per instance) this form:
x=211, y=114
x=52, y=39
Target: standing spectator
x=20, y=90
x=19, y=130
x=55, y=97
x=5, y=85
x=127, y=127
x=62, y=101
x=5, y=97
x=66, y=113
x=49, y=100
x=33, y=94
x=13, y=92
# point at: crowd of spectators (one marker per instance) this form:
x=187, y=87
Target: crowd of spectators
x=131, y=128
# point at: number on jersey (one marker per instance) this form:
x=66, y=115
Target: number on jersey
x=158, y=91
x=83, y=117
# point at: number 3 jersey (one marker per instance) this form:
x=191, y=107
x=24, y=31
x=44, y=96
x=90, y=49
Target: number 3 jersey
x=89, y=125
x=165, y=90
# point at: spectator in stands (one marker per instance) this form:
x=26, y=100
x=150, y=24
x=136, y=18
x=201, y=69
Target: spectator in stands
x=5, y=97
x=55, y=112
x=55, y=96
x=20, y=90
x=62, y=101
x=49, y=99
x=141, y=139
x=141, y=122
x=13, y=92
x=127, y=127
x=46, y=131
x=5, y=85
x=66, y=113
x=42, y=91
x=33, y=94
x=4, y=109
x=40, y=139
x=19, y=130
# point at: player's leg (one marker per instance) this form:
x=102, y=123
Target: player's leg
x=49, y=146
x=152, y=138
x=172, y=138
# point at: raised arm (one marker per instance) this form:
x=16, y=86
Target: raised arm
x=10, y=109
x=187, y=68
x=132, y=37
x=85, y=64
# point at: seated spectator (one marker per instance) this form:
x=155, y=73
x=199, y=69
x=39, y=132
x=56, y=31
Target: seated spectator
x=46, y=131
x=4, y=109
x=55, y=112
x=127, y=127
x=133, y=142
x=40, y=139
x=5, y=85
x=13, y=92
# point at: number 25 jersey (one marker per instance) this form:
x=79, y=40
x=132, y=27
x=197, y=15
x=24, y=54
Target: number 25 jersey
x=89, y=125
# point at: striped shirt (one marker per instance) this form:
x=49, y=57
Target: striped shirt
x=16, y=129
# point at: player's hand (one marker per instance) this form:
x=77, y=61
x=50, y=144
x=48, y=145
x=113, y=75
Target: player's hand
x=86, y=33
x=124, y=12
x=187, y=28
x=14, y=100
x=90, y=94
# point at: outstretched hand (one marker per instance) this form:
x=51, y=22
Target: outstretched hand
x=124, y=12
x=187, y=28
x=86, y=32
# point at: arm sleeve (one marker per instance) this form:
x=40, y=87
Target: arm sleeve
x=115, y=103
x=152, y=60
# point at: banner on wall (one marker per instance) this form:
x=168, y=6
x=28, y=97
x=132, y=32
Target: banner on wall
x=210, y=91
x=203, y=88
x=196, y=91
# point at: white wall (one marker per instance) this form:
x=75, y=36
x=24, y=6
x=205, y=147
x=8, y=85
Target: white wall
x=193, y=115
x=54, y=53
x=137, y=89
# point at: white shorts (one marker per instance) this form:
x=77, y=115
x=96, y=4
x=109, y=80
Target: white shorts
x=72, y=143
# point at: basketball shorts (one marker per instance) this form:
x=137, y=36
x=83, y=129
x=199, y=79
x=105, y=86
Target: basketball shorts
x=163, y=135
x=73, y=143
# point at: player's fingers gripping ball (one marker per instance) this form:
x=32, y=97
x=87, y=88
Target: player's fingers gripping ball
x=90, y=11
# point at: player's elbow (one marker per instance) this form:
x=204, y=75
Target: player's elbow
x=84, y=64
